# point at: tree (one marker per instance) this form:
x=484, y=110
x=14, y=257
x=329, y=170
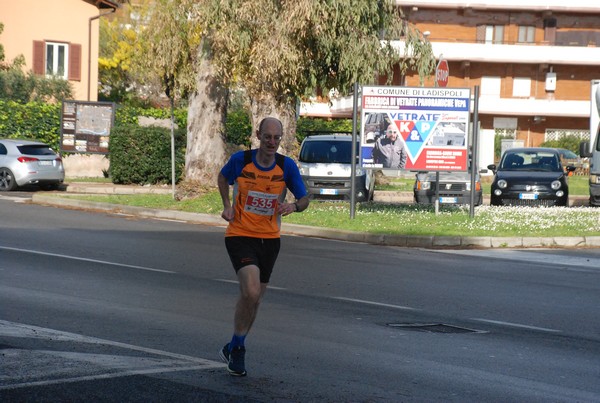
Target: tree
x=118, y=41
x=280, y=51
x=206, y=145
x=172, y=59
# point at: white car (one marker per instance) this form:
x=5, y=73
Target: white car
x=454, y=188
x=325, y=163
x=26, y=162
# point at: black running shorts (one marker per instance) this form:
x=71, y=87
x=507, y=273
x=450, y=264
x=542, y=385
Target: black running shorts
x=245, y=251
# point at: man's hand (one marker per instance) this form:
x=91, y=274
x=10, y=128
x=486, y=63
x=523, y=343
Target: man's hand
x=228, y=214
x=286, y=209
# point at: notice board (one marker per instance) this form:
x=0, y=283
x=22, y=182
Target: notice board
x=86, y=126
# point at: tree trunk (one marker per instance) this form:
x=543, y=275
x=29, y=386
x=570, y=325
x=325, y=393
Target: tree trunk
x=286, y=113
x=206, y=148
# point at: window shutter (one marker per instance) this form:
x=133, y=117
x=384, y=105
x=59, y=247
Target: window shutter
x=75, y=62
x=480, y=33
x=38, y=58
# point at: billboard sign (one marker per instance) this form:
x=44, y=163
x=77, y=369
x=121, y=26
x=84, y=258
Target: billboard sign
x=415, y=128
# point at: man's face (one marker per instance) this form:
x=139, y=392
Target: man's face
x=391, y=133
x=270, y=137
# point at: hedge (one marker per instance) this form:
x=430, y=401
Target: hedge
x=34, y=120
x=41, y=121
x=142, y=155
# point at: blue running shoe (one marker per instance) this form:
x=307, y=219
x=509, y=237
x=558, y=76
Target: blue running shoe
x=234, y=359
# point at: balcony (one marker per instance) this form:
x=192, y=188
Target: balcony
x=573, y=6
x=517, y=53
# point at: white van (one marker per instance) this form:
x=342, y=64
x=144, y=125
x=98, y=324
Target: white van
x=325, y=166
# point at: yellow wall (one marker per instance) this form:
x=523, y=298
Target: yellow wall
x=53, y=20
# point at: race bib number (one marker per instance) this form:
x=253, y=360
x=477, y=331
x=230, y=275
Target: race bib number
x=261, y=203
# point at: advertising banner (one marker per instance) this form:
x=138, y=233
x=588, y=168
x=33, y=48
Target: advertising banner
x=415, y=128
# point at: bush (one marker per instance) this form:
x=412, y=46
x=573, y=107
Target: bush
x=567, y=142
x=238, y=128
x=142, y=155
x=15, y=85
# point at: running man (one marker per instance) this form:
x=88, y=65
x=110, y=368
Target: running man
x=260, y=179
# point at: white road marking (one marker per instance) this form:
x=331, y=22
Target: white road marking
x=83, y=366
x=510, y=324
x=15, y=199
x=529, y=256
x=82, y=259
x=360, y=301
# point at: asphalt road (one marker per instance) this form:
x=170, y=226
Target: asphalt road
x=98, y=307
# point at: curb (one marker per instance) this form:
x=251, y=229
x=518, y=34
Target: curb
x=428, y=242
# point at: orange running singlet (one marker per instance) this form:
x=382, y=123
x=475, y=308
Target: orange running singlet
x=256, y=196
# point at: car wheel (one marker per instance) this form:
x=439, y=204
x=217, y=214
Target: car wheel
x=7, y=180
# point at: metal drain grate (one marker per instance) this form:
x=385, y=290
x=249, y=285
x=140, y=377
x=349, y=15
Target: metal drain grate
x=434, y=328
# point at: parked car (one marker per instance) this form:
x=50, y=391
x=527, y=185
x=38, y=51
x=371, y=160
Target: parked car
x=567, y=154
x=454, y=188
x=568, y=157
x=325, y=163
x=25, y=162
x=530, y=177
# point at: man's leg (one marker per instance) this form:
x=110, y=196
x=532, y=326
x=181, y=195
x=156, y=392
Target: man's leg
x=251, y=293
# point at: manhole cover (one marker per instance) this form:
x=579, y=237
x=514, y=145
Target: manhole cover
x=433, y=328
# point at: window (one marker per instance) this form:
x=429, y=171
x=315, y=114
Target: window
x=506, y=133
x=490, y=86
x=550, y=30
x=490, y=33
x=521, y=87
x=56, y=59
x=526, y=34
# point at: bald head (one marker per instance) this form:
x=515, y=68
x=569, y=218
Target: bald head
x=271, y=125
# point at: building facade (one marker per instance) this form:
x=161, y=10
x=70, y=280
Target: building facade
x=533, y=62
x=58, y=37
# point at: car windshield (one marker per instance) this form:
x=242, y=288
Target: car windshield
x=36, y=149
x=324, y=151
x=530, y=161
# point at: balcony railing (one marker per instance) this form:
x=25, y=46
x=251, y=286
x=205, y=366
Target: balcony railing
x=513, y=53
